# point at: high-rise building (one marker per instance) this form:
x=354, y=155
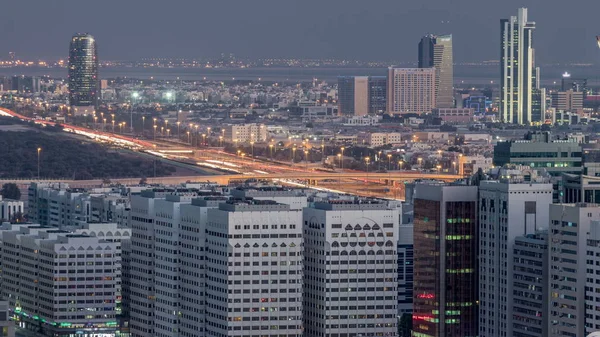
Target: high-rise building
x=567, y=245
x=411, y=90
x=515, y=205
x=254, y=259
x=575, y=84
x=530, y=286
x=361, y=95
x=350, y=268
x=592, y=286
x=83, y=73
x=436, y=52
x=445, y=261
x=518, y=76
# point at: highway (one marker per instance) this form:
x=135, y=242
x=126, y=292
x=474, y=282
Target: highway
x=239, y=167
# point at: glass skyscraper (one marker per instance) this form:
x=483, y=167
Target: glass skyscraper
x=436, y=52
x=83, y=71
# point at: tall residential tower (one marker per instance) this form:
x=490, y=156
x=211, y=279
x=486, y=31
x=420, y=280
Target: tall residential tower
x=519, y=82
x=83, y=73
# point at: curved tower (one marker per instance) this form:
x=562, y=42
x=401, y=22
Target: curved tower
x=83, y=73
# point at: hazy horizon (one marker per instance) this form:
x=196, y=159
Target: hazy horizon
x=341, y=29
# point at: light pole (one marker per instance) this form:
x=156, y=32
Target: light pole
x=271, y=150
x=154, y=134
x=135, y=96
x=306, y=158
x=454, y=166
x=389, y=162
x=188, y=133
x=420, y=160
x=294, y=153
x=143, y=124
x=178, y=136
x=340, y=163
x=400, y=162
x=104, y=125
x=252, y=147
x=220, y=141
x=39, y=150
x=367, y=160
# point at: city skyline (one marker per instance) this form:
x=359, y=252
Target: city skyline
x=333, y=31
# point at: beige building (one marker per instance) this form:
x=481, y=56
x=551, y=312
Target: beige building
x=568, y=100
x=380, y=138
x=245, y=133
x=411, y=90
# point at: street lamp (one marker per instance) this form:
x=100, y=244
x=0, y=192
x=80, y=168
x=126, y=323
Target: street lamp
x=143, y=123
x=400, y=163
x=188, y=133
x=154, y=134
x=389, y=162
x=135, y=96
x=204, y=139
x=220, y=141
x=340, y=162
x=252, y=147
x=454, y=166
x=306, y=158
x=271, y=150
x=178, y=137
x=39, y=150
x=294, y=153
x=420, y=160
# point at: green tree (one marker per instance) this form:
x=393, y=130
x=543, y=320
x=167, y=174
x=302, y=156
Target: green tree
x=10, y=191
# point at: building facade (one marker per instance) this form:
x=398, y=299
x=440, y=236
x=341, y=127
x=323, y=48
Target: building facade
x=254, y=269
x=411, y=90
x=530, y=286
x=567, y=245
x=517, y=71
x=445, y=261
x=83, y=72
x=350, y=269
x=508, y=208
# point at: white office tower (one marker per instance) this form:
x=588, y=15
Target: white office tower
x=165, y=288
x=530, y=285
x=405, y=268
x=60, y=283
x=592, y=296
x=254, y=261
x=513, y=206
x=567, y=243
x=7, y=327
x=350, y=269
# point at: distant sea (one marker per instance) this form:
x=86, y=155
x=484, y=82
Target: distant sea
x=476, y=75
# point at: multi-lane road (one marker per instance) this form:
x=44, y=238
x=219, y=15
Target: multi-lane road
x=240, y=167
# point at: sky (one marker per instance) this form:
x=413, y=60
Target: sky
x=349, y=29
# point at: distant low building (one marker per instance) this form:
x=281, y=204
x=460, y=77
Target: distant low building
x=243, y=133
x=376, y=139
x=10, y=208
x=362, y=120
x=454, y=115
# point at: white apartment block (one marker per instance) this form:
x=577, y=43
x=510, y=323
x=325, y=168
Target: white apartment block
x=254, y=259
x=592, y=287
x=295, y=198
x=569, y=228
x=507, y=209
x=411, y=90
x=350, y=269
x=60, y=282
x=10, y=208
x=530, y=285
x=7, y=327
x=245, y=133
x=55, y=204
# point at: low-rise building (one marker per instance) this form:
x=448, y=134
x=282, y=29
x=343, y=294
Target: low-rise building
x=376, y=139
x=454, y=115
x=245, y=133
x=10, y=209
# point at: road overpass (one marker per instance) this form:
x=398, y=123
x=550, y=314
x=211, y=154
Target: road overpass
x=312, y=178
